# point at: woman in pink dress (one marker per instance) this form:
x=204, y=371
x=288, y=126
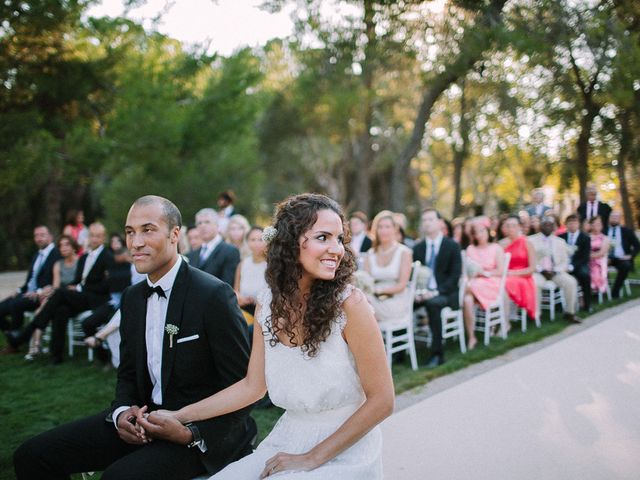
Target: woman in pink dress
x=485, y=263
x=520, y=285
x=599, y=254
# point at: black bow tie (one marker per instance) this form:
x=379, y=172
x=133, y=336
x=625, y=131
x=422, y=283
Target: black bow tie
x=157, y=289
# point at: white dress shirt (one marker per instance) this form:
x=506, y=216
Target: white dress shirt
x=209, y=247
x=154, y=334
x=88, y=265
x=615, y=237
x=356, y=242
x=436, y=242
x=32, y=286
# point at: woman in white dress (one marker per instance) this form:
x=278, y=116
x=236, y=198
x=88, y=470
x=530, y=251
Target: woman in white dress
x=319, y=353
x=389, y=264
x=250, y=279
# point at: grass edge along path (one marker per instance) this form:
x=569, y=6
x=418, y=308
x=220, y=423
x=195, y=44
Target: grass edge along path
x=35, y=397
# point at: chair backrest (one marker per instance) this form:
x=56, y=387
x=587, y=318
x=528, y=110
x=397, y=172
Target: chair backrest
x=411, y=285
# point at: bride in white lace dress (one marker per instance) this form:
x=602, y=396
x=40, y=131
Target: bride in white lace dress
x=319, y=353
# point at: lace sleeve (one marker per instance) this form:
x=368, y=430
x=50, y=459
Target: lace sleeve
x=342, y=318
x=264, y=301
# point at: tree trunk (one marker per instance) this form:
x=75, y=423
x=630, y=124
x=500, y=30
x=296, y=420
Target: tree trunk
x=582, y=149
x=475, y=42
x=625, y=150
x=460, y=153
x=364, y=155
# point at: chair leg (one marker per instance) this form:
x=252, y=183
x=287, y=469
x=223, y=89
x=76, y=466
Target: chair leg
x=70, y=336
x=552, y=306
x=389, y=344
x=461, y=336
x=523, y=319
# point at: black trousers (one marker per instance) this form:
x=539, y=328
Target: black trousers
x=14, y=307
x=92, y=444
x=61, y=306
x=623, y=267
x=99, y=316
x=583, y=276
x=434, y=307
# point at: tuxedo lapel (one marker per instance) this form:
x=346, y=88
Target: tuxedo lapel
x=174, y=317
x=144, y=380
x=212, y=257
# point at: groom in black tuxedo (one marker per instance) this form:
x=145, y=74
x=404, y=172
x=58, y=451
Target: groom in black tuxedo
x=183, y=339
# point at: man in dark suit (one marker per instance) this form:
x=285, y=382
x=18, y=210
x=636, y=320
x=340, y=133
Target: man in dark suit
x=593, y=207
x=215, y=256
x=89, y=290
x=624, y=248
x=28, y=297
x=580, y=243
x=537, y=207
x=442, y=255
x=360, y=241
x=183, y=339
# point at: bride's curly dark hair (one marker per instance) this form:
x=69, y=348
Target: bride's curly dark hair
x=295, y=216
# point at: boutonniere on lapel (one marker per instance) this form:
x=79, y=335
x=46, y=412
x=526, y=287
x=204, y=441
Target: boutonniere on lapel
x=171, y=330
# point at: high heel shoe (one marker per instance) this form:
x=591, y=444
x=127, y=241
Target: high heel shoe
x=34, y=350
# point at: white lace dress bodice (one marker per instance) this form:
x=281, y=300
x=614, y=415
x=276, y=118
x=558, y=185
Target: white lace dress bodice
x=319, y=394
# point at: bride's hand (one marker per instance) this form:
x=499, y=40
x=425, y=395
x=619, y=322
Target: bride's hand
x=286, y=461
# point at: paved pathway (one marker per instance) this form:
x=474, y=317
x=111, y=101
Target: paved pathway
x=9, y=281
x=570, y=410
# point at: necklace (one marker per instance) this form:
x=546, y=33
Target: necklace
x=388, y=250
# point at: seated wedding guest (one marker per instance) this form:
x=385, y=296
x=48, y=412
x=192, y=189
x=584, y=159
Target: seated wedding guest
x=537, y=207
x=202, y=350
x=580, y=243
x=485, y=263
x=110, y=333
x=237, y=230
x=64, y=272
x=215, y=256
x=116, y=243
x=442, y=255
x=552, y=263
x=520, y=285
x=76, y=229
x=226, y=209
x=457, y=232
x=118, y=279
x=525, y=221
x=360, y=241
x=598, y=265
x=624, y=248
x=593, y=207
x=534, y=225
x=389, y=264
x=250, y=273
x=89, y=290
x=193, y=236
x=28, y=297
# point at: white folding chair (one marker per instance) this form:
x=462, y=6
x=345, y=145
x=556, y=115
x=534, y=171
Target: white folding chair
x=398, y=334
x=550, y=296
x=453, y=320
x=75, y=334
x=494, y=314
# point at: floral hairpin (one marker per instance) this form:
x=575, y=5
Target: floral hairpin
x=269, y=233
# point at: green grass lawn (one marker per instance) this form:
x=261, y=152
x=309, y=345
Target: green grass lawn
x=35, y=396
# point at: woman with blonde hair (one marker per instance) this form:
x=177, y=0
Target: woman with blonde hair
x=236, y=234
x=389, y=264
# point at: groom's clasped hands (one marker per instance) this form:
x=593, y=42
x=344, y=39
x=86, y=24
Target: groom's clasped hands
x=160, y=425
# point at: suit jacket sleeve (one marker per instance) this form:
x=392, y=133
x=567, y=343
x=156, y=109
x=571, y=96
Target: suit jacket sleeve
x=230, y=264
x=634, y=243
x=449, y=284
x=229, y=346
x=126, y=385
x=583, y=253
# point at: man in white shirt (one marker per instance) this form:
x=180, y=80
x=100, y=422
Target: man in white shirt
x=214, y=256
x=624, y=247
x=28, y=297
x=360, y=241
x=183, y=338
x=552, y=264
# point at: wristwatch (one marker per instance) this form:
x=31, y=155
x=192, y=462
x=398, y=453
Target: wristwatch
x=197, y=439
